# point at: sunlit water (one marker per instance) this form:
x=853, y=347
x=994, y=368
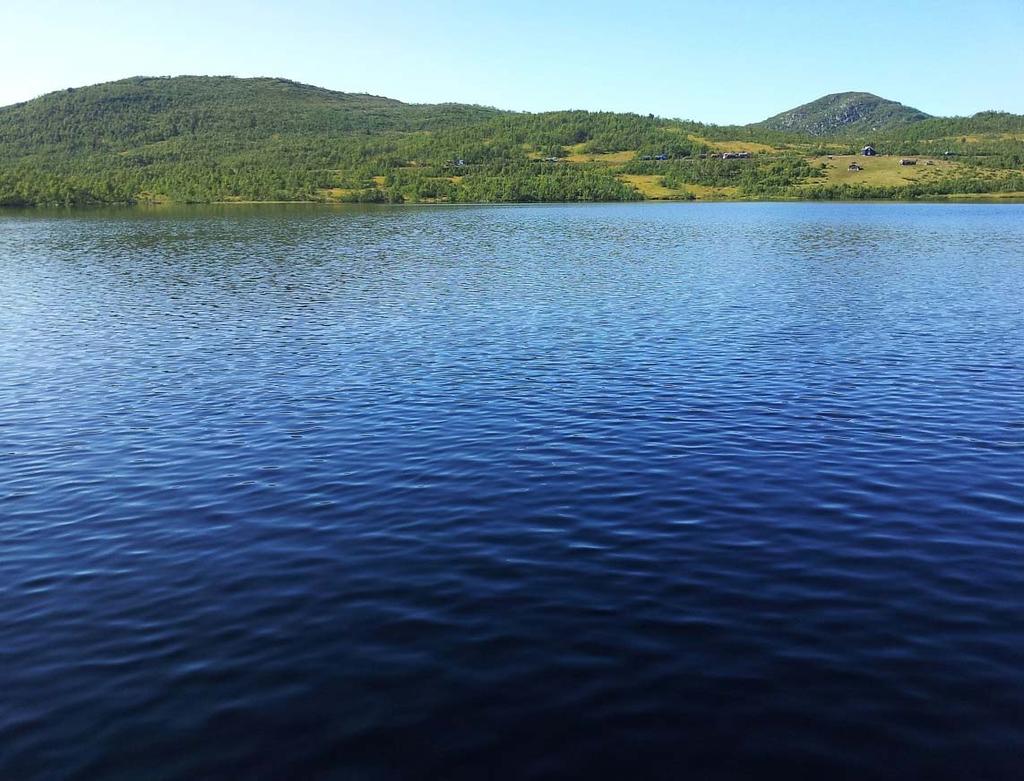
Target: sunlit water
x=523, y=492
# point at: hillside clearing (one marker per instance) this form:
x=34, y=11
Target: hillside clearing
x=607, y=158
x=754, y=147
x=881, y=170
x=652, y=187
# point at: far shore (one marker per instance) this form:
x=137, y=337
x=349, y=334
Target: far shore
x=956, y=198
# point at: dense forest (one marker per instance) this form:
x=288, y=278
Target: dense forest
x=203, y=139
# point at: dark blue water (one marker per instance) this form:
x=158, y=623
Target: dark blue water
x=707, y=491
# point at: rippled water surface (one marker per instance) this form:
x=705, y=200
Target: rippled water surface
x=530, y=492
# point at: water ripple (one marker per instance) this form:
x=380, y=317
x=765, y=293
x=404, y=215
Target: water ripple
x=625, y=490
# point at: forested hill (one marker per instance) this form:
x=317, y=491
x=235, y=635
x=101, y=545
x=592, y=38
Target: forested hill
x=138, y=111
x=202, y=139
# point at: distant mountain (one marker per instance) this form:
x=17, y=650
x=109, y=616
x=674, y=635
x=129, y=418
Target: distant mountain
x=843, y=113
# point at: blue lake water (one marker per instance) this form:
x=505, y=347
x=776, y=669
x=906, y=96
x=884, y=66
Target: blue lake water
x=659, y=491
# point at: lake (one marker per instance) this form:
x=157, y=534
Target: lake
x=630, y=490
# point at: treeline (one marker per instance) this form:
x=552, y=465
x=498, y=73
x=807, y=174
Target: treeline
x=513, y=185
x=760, y=175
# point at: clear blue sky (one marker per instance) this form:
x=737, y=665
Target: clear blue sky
x=722, y=62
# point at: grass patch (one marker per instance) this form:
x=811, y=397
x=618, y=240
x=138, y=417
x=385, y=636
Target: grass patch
x=607, y=158
x=335, y=193
x=652, y=187
x=703, y=192
x=753, y=147
x=881, y=170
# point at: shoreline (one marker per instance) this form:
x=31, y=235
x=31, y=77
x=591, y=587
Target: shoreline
x=972, y=198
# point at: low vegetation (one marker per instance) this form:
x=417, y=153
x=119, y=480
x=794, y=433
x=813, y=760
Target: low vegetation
x=204, y=139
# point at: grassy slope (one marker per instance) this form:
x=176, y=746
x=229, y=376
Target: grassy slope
x=884, y=170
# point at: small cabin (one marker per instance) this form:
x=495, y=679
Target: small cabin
x=907, y=161
x=735, y=155
x=854, y=167
x=868, y=151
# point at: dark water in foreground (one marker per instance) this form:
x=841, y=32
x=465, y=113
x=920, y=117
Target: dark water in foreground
x=672, y=491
